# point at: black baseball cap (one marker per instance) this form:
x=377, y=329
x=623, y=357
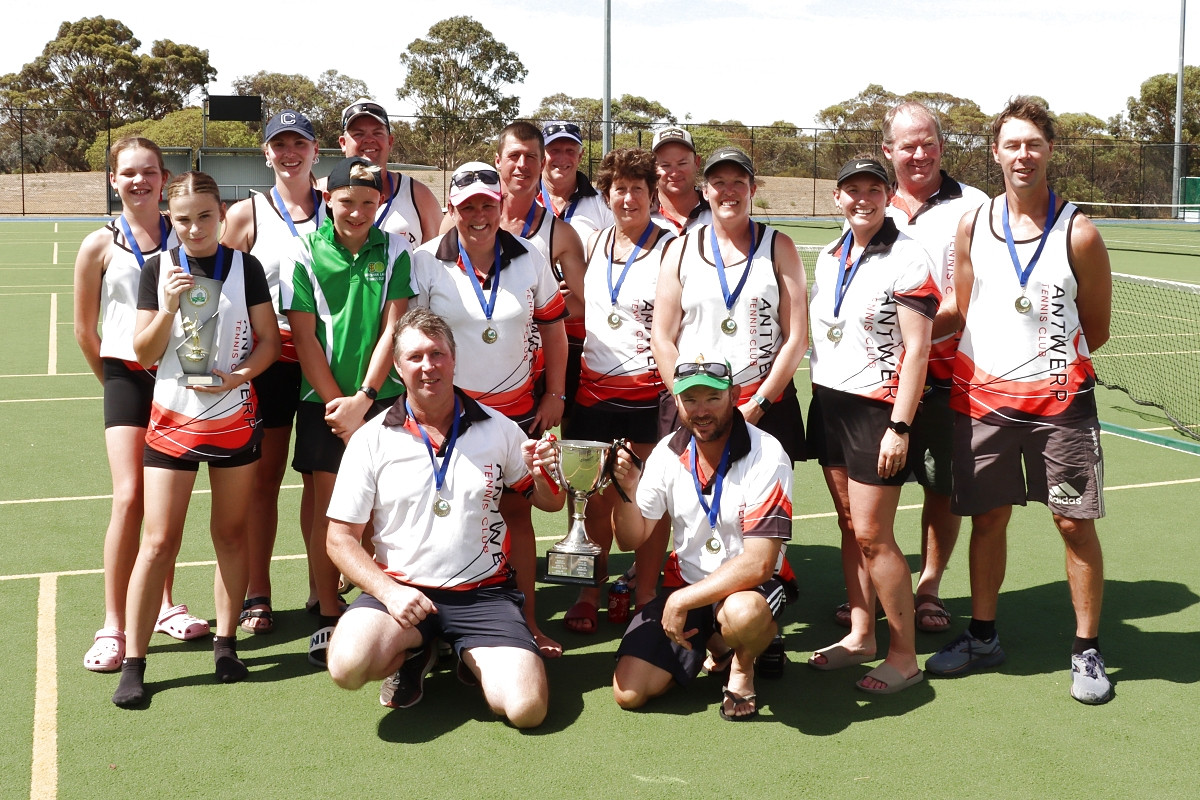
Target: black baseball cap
x=289, y=120
x=341, y=177
x=360, y=107
x=862, y=166
x=731, y=155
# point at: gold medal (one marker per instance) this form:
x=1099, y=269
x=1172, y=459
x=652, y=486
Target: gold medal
x=614, y=320
x=713, y=545
x=834, y=334
x=1023, y=304
x=728, y=326
x=441, y=508
x=490, y=336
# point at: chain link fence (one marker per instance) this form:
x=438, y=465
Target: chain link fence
x=43, y=171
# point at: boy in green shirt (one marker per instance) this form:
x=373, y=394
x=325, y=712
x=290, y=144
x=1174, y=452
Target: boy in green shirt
x=349, y=285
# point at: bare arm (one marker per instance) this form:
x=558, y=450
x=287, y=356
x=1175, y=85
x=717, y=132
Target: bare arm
x=345, y=415
x=914, y=330
x=550, y=408
x=964, y=271
x=152, y=330
x=539, y=455
x=90, y=264
x=430, y=210
x=265, y=353
x=569, y=256
x=793, y=324
x=630, y=528
x=668, y=313
x=1089, y=258
x=406, y=604
x=239, y=226
x=755, y=564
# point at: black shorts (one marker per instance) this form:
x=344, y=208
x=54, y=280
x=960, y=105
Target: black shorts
x=601, y=423
x=318, y=449
x=845, y=430
x=644, y=638
x=574, y=368
x=488, y=617
x=932, y=442
x=154, y=458
x=783, y=420
x=278, y=390
x=128, y=393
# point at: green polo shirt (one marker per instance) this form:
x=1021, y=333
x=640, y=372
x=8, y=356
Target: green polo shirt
x=347, y=294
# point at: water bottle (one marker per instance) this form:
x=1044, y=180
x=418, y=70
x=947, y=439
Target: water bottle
x=618, y=602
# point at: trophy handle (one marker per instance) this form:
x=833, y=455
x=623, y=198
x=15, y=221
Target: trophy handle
x=619, y=445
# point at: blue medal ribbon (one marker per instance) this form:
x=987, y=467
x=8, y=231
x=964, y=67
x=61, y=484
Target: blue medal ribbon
x=391, y=195
x=287, y=215
x=439, y=473
x=844, y=279
x=718, y=481
x=164, y=231
x=730, y=299
x=528, y=226
x=1023, y=274
x=614, y=291
x=568, y=212
x=224, y=258
x=489, y=304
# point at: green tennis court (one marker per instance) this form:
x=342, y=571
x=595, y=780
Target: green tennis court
x=288, y=732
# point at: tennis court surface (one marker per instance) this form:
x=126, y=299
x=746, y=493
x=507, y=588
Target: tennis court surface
x=288, y=732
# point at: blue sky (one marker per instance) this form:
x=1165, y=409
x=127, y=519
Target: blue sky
x=752, y=60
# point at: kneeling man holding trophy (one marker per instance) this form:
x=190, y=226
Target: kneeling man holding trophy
x=430, y=470
x=728, y=488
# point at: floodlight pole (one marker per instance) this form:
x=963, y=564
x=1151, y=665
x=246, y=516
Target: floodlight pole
x=606, y=123
x=1177, y=171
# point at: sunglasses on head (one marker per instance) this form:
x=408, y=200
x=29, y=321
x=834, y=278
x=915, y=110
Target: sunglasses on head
x=373, y=109
x=464, y=179
x=562, y=127
x=713, y=370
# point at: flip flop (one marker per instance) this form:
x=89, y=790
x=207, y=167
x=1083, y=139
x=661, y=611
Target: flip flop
x=924, y=615
x=579, y=614
x=837, y=657
x=714, y=664
x=737, y=700
x=893, y=679
x=177, y=623
x=107, y=650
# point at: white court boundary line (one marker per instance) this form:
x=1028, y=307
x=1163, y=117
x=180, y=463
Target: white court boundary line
x=52, y=357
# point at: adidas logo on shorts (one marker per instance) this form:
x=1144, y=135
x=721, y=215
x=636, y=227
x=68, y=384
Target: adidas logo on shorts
x=1065, y=495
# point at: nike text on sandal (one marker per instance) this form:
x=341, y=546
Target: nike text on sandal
x=965, y=654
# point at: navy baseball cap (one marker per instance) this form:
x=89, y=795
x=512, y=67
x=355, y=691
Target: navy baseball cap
x=289, y=120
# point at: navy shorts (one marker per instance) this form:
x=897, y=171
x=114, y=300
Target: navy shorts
x=644, y=638
x=318, y=449
x=487, y=617
x=278, y=390
x=155, y=458
x=128, y=393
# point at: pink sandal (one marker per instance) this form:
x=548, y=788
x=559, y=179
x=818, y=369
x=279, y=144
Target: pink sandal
x=177, y=623
x=107, y=651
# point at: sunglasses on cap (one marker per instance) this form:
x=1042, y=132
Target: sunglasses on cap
x=711, y=369
x=464, y=179
x=562, y=127
x=374, y=109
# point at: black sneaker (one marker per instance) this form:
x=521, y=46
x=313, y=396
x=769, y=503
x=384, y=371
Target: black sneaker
x=405, y=687
x=769, y=663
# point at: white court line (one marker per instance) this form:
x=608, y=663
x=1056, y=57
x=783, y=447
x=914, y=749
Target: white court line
x=56, y=227
x=52, y=359
x=44, y=774
x=52, y=399
x=59, y=375
x=54, y=258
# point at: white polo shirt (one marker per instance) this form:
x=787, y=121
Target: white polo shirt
x=756, y=498
x=386, y=471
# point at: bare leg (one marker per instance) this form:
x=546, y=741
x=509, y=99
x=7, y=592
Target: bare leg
x=264, y=515
x=748, y=628
x=939, y=528
x=514, y=683
x=368, y=645
x=324, y=573
x=1085, y=573
x=516, y=512
x=232, y=489
x=124, y=446
x=636, y=681
x=989, y=555
x=874, y=512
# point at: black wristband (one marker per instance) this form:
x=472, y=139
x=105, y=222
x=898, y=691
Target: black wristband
x=369, y=391
x=899, y=427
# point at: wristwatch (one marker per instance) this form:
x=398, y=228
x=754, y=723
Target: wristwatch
x=762, y=402
x=900, y=427
x=369, y=391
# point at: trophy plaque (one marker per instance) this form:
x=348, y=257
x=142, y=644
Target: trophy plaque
x=198, y=311
x=582, y=471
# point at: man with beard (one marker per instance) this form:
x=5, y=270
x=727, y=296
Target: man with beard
x=728, y=488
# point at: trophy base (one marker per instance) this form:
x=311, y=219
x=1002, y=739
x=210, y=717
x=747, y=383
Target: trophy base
x=575, y=569
x=202, y=380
